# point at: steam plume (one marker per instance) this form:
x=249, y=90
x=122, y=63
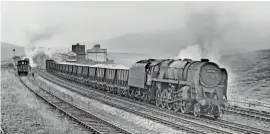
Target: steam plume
x=36, y=35
x=206, y=31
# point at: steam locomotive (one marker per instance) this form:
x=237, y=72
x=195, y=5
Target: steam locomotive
x=23, y=67
x=197, y=87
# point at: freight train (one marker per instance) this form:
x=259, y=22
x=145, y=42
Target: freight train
x=196, y=87
x=23, y=67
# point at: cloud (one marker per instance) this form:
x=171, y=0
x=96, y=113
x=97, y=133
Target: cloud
x=90, y=21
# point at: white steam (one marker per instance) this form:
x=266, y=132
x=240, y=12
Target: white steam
x=194, y=52
x=39, y=51
x=36, y=35
x=206, y=30
x=191, y=52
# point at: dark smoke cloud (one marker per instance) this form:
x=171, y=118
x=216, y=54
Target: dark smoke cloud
x=206, y=29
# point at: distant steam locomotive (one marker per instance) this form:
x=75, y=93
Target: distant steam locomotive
x=199, y=87
x=23, y=67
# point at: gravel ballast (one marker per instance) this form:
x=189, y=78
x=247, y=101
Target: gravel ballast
x=131, y=122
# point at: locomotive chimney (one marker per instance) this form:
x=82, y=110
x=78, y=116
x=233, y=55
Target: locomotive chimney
x=205, y=60
x=189, y=60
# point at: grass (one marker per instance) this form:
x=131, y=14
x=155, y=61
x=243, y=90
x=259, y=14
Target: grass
x=249, y=75
x=23, y=112
x=132, y=122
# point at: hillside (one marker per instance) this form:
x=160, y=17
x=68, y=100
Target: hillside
x=237, y=39
x=146, y=42
x=7, y=51
x=249, y=75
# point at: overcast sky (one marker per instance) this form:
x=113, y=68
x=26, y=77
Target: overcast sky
x=71, y=22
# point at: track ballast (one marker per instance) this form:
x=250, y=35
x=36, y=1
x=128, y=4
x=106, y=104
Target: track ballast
x=184, y=118
x=91, y=122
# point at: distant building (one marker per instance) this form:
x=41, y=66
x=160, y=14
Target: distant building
x=97, y=54
x=80, y=52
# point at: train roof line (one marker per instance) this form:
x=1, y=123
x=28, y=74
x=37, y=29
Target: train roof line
x=110, y=66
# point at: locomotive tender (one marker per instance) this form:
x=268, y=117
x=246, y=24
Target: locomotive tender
x=23, y=67
x=198, y=87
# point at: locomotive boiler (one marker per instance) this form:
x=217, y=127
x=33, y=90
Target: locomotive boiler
x=198, y=87
x=181, y=85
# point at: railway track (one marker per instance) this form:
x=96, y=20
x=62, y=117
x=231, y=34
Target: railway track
x=177, y=116
x=179, y=124
x=251, y=113
x=222, y=123
x=131, y=109
x=89, y=121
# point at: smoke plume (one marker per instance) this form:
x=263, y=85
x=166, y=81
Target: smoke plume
x=36, y=35
x=205, y=30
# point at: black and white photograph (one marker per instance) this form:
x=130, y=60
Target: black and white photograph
x=135, y=67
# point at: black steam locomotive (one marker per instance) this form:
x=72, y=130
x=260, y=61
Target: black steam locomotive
x=198, y=87
x=23, y=67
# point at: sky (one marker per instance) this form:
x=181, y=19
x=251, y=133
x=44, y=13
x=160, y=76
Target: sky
x=60, y=24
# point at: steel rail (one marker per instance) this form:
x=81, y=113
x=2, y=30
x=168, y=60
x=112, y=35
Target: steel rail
x=136, y=108
x=250, y=113
x=222, y=123
x=89, y=121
